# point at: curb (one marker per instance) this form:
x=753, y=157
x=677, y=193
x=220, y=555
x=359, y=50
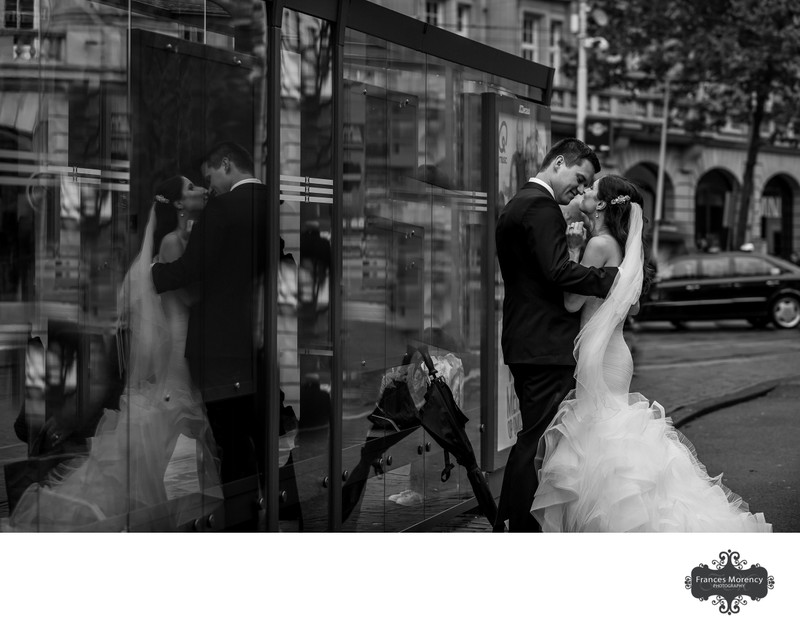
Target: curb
x=685, y=413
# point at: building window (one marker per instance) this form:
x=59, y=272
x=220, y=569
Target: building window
x=433, y=13
x=531, y=26
x=462, y=19
x=18, y=14
x=556, y=34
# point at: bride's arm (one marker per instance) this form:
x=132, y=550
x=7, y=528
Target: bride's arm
x=596, y=254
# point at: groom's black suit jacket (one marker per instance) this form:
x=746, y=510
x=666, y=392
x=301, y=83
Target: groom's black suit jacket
x=223, y=263
x=534, y=261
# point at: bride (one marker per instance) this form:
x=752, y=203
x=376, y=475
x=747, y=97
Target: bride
x=611, y=461
x=120, y=483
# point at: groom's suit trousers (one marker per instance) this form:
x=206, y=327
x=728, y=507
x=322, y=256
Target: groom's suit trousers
x=540, y=390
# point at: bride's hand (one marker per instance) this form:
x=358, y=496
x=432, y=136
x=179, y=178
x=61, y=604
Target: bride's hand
x=576, y=235
x=54, y=433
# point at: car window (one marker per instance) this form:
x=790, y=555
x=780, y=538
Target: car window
x=751, y=266
x=684, y=268
x=715, y=267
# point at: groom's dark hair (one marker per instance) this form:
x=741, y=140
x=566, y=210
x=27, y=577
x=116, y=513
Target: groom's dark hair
x=573, y=151
x=234, y=152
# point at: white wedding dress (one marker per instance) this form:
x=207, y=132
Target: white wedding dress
x=120, y=483
x=611, y=461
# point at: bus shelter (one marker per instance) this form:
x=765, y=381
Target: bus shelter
x=387, y=147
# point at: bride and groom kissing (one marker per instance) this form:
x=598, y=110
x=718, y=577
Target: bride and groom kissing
x=188, y=303
x=591, y=455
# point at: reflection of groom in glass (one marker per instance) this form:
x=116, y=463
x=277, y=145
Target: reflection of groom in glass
x=222, y=263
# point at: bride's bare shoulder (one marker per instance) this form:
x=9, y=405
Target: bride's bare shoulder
x=171, y=248
x=599, y=250
x=606, y=248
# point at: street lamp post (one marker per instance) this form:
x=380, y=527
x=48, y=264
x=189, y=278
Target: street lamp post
x=662, y=158
x=580, y=117
x=599, y=16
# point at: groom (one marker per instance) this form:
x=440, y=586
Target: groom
x=538, y=332
x=222, y=263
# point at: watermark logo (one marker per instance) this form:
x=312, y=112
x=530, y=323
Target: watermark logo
x=728, y=583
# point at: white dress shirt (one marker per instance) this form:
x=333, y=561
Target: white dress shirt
x=247, y=180
x=545, y=184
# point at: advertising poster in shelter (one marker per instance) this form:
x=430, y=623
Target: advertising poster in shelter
x=523, y=138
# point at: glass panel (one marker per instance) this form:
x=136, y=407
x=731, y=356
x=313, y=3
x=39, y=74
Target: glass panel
x=384, y=268
x=415, y=208
x=304, y=327
x=454, y=195
x=191, y=90
x=63, y=179
x=95, y=380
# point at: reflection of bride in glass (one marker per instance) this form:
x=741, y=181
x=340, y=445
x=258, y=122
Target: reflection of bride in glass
x=120, y=483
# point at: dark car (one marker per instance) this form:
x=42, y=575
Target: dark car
x=756, y=287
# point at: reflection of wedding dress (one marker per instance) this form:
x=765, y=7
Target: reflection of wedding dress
x=120, y=483
x=611, y=461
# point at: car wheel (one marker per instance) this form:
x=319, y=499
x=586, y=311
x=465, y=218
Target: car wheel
x=759, y=323
x=785, y=312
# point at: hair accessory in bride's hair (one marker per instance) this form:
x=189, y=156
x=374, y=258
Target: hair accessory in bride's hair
x=621, y=199
x=162, y=199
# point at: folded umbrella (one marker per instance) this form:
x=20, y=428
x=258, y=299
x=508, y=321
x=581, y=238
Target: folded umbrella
x=443, y=419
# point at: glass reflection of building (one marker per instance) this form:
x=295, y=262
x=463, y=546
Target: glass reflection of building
x=385, y=237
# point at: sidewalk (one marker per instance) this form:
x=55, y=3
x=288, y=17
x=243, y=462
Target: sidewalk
x=753, y=444
x=782, y=409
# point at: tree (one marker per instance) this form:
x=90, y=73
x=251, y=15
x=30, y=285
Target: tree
x=736, y=61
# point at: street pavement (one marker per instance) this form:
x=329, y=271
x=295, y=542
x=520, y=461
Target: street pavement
x=754, y=445
x=740, y=412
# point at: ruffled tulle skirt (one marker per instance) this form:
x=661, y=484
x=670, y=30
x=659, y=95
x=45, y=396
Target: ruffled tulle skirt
x=625, y=468
x=120, y=483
